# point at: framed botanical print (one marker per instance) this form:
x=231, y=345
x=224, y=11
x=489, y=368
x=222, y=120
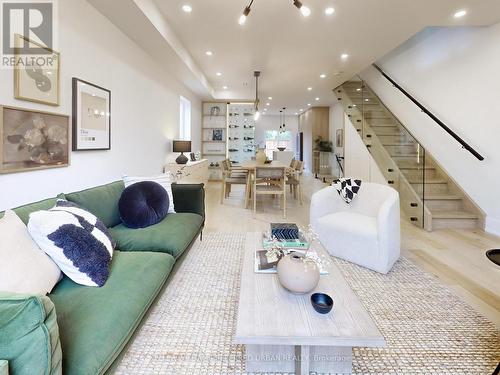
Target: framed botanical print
x=91, y=116
x=31, y=140
x=37, y=79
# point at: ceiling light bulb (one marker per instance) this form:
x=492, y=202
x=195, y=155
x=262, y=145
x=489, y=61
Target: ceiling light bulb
x=329, y=11
x=218, y=74
x=256, y=116
x=322, y=76
x=296, y=113
x=367, y=100
x=268, y=104
x=187, y=8
x=309, y=88
x=317, y=99
x=358, y=89
x=301, y=110
x=306, y=12
x=209, y=53
x=270, y=97
x=460, y=14
x=242, y=19
x=308, y=104
x=224, y=87
x=344, y=56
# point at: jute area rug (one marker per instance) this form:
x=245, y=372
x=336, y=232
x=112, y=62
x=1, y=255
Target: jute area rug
x=428, y=329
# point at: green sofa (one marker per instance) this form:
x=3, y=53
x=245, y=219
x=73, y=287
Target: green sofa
x=82, y=330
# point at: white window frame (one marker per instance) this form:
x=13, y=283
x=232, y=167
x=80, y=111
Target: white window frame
x=185, y=119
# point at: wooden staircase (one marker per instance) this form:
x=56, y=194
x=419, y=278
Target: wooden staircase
x=429, y=196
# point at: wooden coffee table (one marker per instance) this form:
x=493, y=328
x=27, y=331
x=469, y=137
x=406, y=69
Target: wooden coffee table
x=283, y=333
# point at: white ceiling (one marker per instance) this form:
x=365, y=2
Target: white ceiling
x=290, y=50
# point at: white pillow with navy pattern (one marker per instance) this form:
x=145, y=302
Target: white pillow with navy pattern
x=347, y=188
x=76, y=240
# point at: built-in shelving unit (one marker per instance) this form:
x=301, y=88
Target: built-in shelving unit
x=241, y=130
x=214, y=136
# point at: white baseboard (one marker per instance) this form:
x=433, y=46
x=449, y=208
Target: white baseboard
x=492, y=226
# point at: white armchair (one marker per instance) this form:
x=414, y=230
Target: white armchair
x=366, y=231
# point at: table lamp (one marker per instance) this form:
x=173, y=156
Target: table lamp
x=182, y=147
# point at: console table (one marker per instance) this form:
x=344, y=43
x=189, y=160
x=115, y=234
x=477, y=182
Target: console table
x=194, y=172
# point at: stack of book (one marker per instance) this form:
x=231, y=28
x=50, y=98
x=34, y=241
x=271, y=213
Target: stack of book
x=290, y=240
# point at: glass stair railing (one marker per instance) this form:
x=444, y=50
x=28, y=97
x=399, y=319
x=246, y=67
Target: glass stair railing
x=400, y=157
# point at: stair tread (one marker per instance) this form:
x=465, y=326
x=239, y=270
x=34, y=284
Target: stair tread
x=440, y=214
x=399, y=144
x=429, y=181
x=443, y=197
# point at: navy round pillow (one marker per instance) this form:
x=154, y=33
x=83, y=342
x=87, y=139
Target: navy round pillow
x=143, y=204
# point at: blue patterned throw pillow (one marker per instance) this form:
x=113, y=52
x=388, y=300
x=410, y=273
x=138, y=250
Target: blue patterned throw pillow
x=76, y=240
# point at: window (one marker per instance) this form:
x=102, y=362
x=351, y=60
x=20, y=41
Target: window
x=185, y=119
x=275, y=139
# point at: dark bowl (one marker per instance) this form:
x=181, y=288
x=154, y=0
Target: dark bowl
x=282, y=148
x=322, y=303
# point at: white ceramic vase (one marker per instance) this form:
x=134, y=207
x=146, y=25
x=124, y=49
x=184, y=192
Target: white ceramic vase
x=260, y=156
x=297, y=274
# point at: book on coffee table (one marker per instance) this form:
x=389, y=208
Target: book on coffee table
x=266, y=264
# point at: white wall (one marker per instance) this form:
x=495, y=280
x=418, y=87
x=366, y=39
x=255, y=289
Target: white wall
x=145, y=108
x=455, y=73
x=272, y=122
x=336, y=119
x=359, y=163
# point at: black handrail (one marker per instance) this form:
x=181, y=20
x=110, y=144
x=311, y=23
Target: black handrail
x=464, y=144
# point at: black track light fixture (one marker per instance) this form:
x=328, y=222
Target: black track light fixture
x=304, y=10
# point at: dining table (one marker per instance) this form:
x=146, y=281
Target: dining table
x=250, y=167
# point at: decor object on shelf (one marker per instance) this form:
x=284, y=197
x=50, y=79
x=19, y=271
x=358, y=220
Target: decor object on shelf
x=322, y=303
x=143, y=204
x=91, y=117
x=323, y=146
x=297, y=273
x=24, y=268
x=165, y=180
x=182, y=147
x=304, y=10
x=281, y=149
x=347, y=188
x=366, y=232
x=260, y=156
x=76, y=240
x=215, y=110
x=34, y=82
x=32, y=140
x=217, y=135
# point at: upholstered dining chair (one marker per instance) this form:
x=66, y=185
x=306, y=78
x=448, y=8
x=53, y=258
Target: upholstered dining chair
x=366, y=231
x=230, y=177
x=270, y=181
x=294, y=179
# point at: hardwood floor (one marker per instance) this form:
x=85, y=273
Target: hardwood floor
x=456, y=256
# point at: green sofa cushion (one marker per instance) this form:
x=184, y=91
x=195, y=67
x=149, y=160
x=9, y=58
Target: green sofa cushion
x=172, y=235
x=24, y=211
x=102, y=201
x=96, y=323
x=29, y=335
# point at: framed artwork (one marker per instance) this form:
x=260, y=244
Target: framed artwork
x=217, y=135
x=32, y=140
x=37, y=83
x=91, y=117
x=339, y=139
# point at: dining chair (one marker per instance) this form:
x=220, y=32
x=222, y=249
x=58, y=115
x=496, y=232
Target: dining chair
x=294, y=180
x=231, y=177
x=270, y=181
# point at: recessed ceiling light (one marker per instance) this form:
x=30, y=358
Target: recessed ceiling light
x=209, y=53
x=301, y=110
x=224, y=87
x=322, y=75
x=270, y=97
x=268, y=104
x=354, y=105
x=295, y=113
x=344, y=56
x=218, y=74
x=187, y=8
x=308, y=104
x=367, y=100
x=309, y=88
x=358, y=89
x=329, y=11
x=460, y=13
x=316, y=99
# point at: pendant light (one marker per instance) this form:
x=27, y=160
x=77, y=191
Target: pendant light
x=304, y=10
x=256, y=116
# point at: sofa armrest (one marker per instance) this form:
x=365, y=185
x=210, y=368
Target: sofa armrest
x=189, y=198
x=4, y=367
